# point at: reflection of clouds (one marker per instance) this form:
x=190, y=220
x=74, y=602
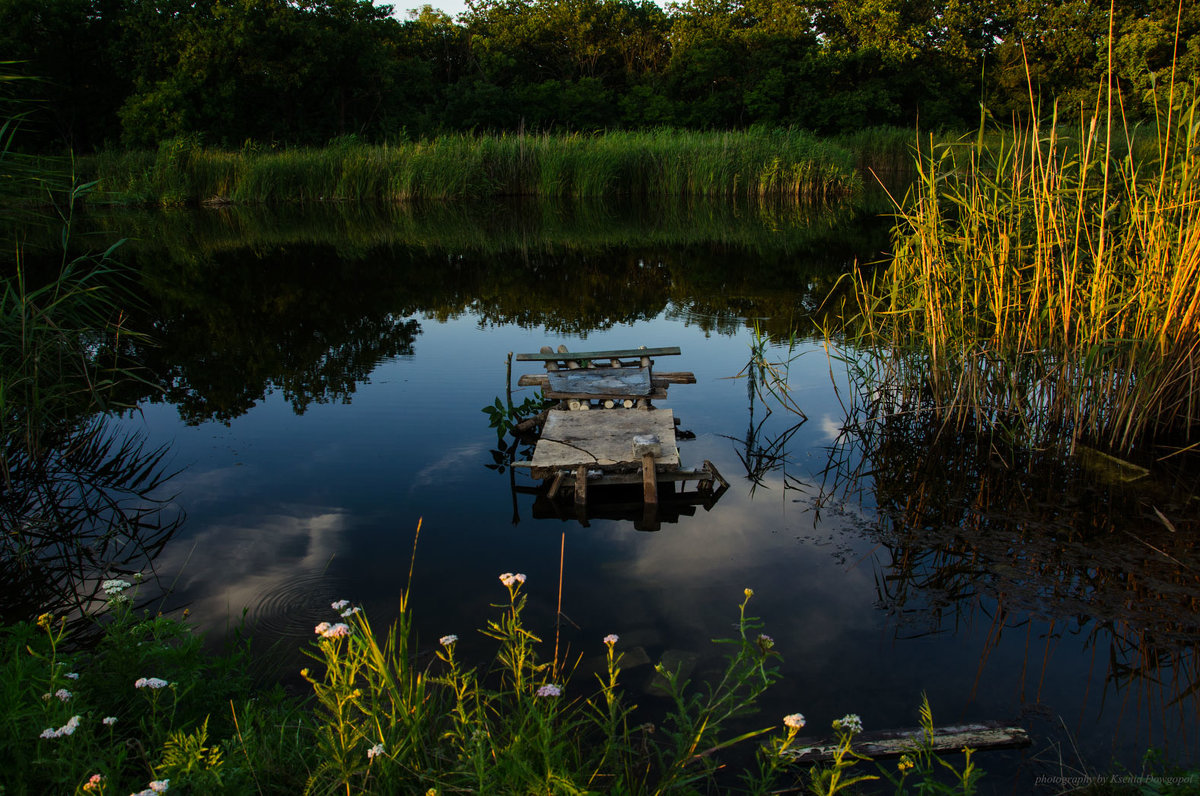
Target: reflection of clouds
x=696, y=569
x=450, y=462
x=831, y=427
x=241, y=566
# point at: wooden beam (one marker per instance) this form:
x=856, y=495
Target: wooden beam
x=581, y=485
x=649, y=485
x=543, y=356
x=893, y=743
x=659, y=380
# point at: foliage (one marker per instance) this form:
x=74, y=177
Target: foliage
x=504, y=417
x=147, y=703
x=303, y=73
x=756, y=163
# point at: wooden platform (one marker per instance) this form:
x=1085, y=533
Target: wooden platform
x=616, y=445
x=602, y=439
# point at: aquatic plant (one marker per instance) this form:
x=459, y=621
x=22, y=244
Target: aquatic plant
x=752, y=163
x=1046, y=284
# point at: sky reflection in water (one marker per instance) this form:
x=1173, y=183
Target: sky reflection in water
x=288, y=512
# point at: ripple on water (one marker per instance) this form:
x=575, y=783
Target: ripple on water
x=295, y=607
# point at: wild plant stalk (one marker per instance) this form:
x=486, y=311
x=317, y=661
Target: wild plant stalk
x=746, y=164
x=1046, y=287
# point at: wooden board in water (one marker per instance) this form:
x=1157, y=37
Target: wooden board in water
x=601, y=381
x=603, y=437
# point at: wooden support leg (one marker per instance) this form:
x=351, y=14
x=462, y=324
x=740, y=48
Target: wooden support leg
x=649, y=479
x=581, y=485
x=558, y=479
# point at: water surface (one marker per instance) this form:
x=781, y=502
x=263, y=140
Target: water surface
x=320, y=379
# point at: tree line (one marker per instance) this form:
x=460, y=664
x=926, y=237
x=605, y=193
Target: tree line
x=237, y=73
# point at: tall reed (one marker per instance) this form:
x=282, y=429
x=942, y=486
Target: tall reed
x=1048, y=283
x=753, y=163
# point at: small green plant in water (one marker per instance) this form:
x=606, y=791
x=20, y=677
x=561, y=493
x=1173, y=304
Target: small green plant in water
x=504, y=418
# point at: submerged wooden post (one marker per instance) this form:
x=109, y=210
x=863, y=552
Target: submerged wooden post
x=648, y=448
x=581, y=485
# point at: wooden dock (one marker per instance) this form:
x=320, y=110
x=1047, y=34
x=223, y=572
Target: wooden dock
x=626, y=441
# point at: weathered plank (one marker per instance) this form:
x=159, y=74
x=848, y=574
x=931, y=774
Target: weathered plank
x=559, y=356
x=893, y=743
x=601, y=381
x=571, y=439
x=658, y=379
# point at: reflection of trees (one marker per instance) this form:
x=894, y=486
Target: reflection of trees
x=309, y=302
x=296, y=319
x=975, y=531
x=85, y=507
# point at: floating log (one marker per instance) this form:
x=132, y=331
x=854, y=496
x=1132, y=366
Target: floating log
x=893, y=743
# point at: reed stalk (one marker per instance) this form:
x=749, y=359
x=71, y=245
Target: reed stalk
x=1046, y=282
x=745, y=164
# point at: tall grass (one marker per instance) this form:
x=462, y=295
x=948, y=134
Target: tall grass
x=1046, y=281
x=389, y=716
x=753, y=163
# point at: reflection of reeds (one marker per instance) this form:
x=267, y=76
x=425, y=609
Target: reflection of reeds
x=1049, y=286
x=1027, y=542
x=84, y=510
x=651, y=162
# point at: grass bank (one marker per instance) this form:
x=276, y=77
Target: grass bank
x=750, y=163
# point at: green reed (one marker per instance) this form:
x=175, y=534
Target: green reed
x=752, y=163
x=1046, y=282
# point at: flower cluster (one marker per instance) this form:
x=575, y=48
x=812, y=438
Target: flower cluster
x=794, y=721
x=611, y=639
x=95, y=782
x=150, y=682
x=549, y=690
x=63, y=695
x=326, y=630
x=115, y=589
x=850, y=723
x=67, y=729
x=375, y=751
x=109, y=721
x=446, y=641
x=510, y=580
x=343, y=607
x=157, y=786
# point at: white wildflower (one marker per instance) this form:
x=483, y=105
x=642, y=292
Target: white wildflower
x=794, y=720
x=150, y=682
x=611, y=639
x=446, y=641
x=510, y=580
x=850, y=723
x=375, y=751
x=549, y=690
x=339, y=605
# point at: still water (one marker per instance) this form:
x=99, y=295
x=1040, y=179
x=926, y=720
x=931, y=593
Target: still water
x=320, y=379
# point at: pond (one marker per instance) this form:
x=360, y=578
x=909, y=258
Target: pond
x=320, y=378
